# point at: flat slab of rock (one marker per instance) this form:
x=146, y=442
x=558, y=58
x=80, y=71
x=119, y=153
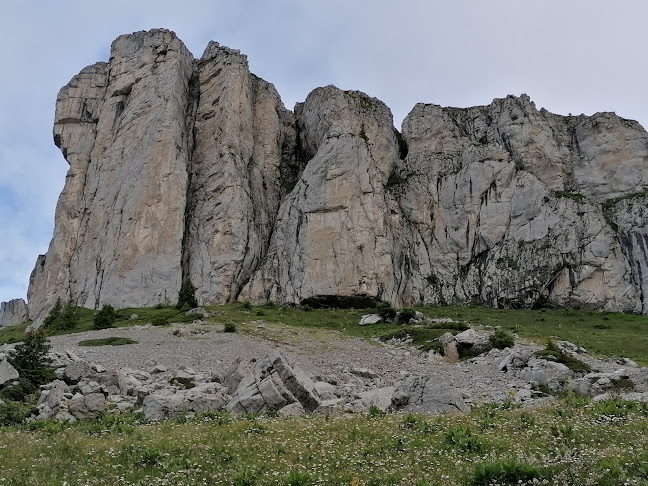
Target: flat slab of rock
x=369, y=319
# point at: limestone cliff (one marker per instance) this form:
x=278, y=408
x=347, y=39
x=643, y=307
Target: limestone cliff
x=13, y=313
x=183, y=168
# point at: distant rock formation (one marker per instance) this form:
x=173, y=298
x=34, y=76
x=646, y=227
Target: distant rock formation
x=13, y=313
x=184, y=168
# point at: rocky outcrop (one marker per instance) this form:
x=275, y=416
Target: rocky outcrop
x=184, y=168
x=13, y=313
x=274, y=383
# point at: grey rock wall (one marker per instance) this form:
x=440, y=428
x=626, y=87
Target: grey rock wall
x=13, y=313
x=184, y=168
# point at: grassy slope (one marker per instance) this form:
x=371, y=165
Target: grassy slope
x=572, y=443
x=603, y=333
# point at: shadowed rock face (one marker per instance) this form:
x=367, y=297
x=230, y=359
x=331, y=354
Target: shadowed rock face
x=184, y=168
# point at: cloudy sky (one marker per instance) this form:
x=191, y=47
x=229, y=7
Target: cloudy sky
x=570, y=56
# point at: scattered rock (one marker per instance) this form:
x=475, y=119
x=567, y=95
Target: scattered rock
x=369, y=319
x=364, y=373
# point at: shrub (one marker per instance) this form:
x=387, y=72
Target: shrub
x=375, y=412
x=62, y=317
x=386, y=311
x=14, y=413
x=31, y=361
x=461, y=438
x=160, y=321
x=553, y=353
x=105, y=318
x=504, y=472
x=501, y=339
x=298, y=479
x=187, y=295
x=109, y=341
x=404, y=315
x=229, y=327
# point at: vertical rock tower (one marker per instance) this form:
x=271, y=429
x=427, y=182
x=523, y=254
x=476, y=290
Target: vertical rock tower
x=183, y=168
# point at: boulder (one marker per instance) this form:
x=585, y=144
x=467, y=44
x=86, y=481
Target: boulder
x=450, y=352
x=165, y=403
x=379, y=397
x=274, y=383
x=198, y=311
x=87, y=406
x=479, y=341
x=7, y=372
x=426, y=395
x=74, y=372
x=545, y=372
x=369, y=319
x=235, y=373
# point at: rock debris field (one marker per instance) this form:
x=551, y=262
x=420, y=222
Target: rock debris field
x=269, y=367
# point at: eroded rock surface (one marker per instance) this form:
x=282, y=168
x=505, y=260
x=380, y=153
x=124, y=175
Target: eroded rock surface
x=13, y=312
x=183, y=168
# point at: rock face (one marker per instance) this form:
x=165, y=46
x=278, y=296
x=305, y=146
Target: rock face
x=184, y=168
x=13, y=313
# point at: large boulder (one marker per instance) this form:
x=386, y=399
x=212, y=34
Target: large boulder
x=87, y=406
x=426, y=395
x=274, y=383
x=165, y=403
x=544, y=372
x=7, y=372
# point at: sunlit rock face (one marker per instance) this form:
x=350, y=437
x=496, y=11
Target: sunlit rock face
x=193, y=168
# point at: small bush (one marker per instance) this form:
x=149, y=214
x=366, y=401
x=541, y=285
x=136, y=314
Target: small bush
x=375, y=412
x=160, y=321
x=187, y=295
x=229, y=327
x=504, y=472
x=62, y=317
x=501, y=339
x=386, y=311
x=461, y=438
x=553, y=353
x=298, y=479
x=109, y=341
x=105, y=318
x=12, y=413
x=405, y=315
x=31, y=361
